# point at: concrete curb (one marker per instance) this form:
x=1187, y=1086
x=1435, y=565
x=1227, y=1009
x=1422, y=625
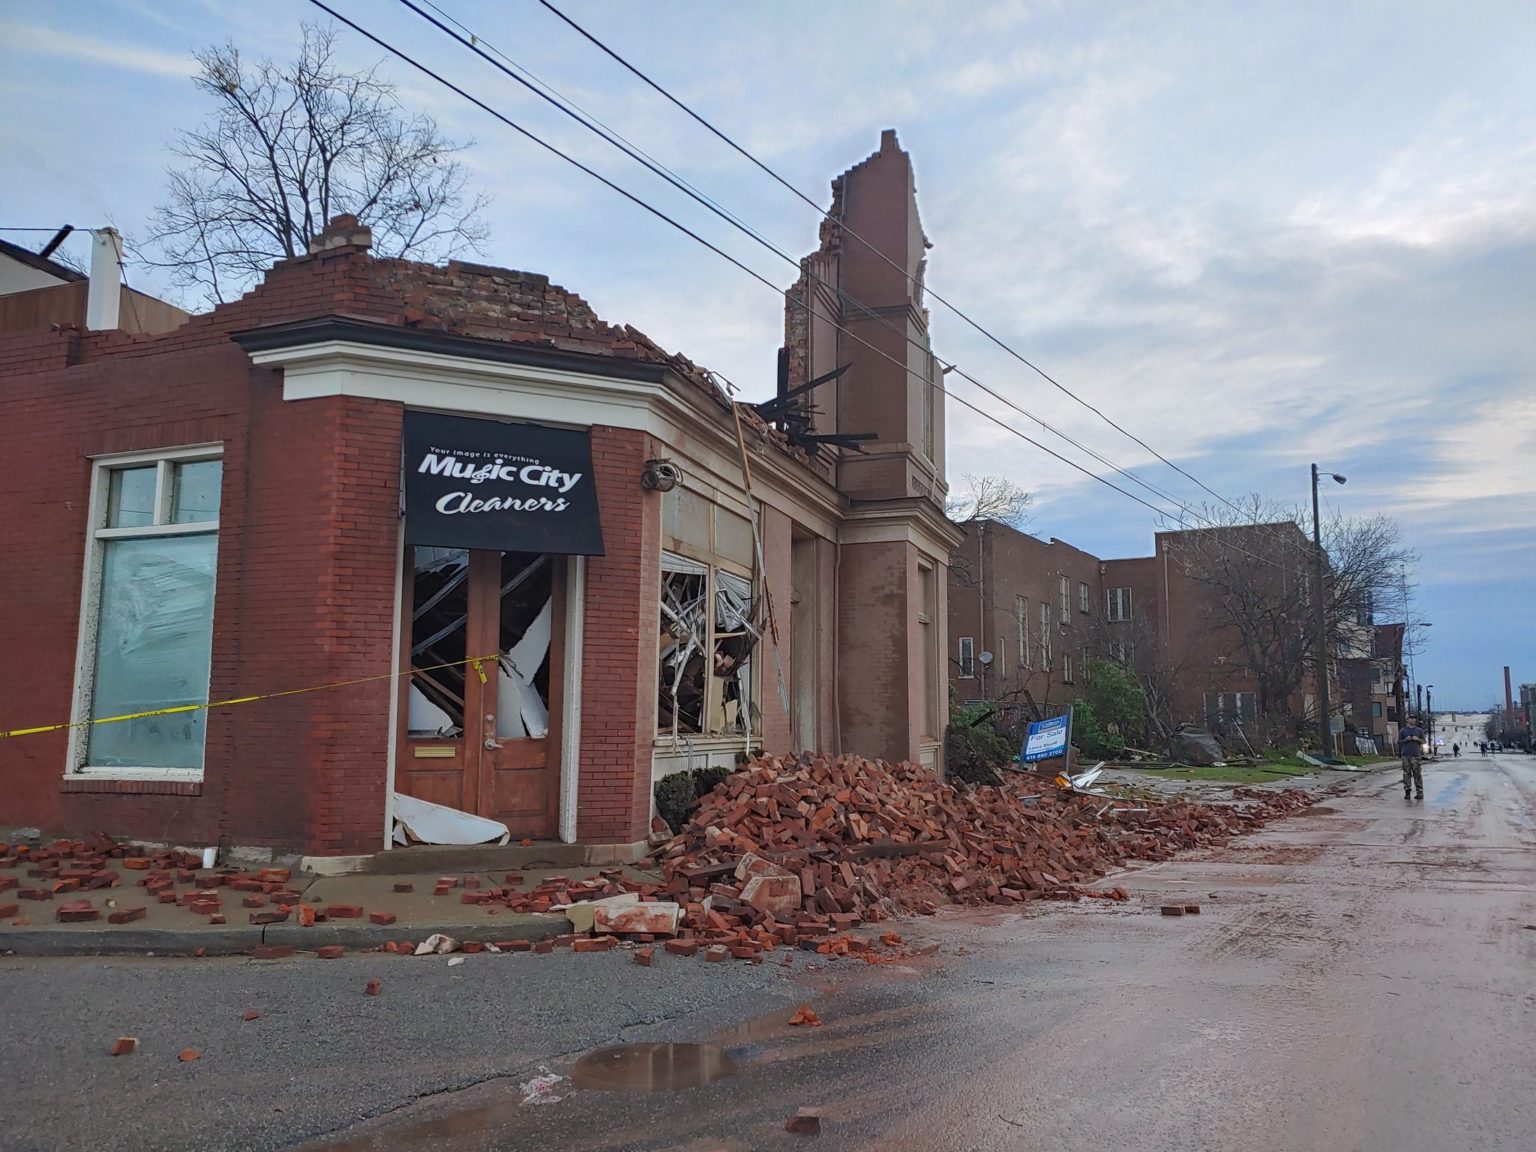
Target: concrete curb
x=129, y=941
x=238, y=940
x=363, y=935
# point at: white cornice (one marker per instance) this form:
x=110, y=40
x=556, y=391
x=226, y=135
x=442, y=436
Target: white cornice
x=704, y=447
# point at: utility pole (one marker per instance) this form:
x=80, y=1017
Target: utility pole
x=1429, y=714
x=1321, y=663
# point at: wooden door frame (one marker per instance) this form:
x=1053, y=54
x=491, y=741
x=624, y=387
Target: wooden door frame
x=471, y=758
x=465, y=760
x=555, y=704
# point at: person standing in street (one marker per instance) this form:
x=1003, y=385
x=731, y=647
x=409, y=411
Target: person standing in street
x=1456, y=751
x=1410, y=747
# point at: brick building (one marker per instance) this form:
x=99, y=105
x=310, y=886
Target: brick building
x=1027, y=614
x=529, y=561
x=1369, y=684
x=1024, y=616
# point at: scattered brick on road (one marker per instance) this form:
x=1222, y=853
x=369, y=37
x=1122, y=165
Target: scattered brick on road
x=805, y=1122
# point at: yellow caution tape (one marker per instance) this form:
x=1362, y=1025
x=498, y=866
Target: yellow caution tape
x=475, y=661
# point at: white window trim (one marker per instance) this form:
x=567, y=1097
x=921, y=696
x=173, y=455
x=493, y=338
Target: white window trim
x=75, y=767
x=1045, y=635
x=677, y=564
x=960, y=645
x=1026, y=651
x=1118, y=609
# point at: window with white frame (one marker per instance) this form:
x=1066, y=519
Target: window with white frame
x=1119, y=604
x=1045, y=636
x=1021, y=610
x=708, y=634
x=1066, y=668
x=1066, y=597
x=967, y=657
x=1084, y=598
x=147, y=620
x=1002, y=657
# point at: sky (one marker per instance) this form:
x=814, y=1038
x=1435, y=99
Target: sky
x=1255, y=235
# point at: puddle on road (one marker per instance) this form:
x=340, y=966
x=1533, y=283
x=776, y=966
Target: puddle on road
x=651, y=1068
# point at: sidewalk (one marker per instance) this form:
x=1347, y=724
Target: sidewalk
x=65, y=898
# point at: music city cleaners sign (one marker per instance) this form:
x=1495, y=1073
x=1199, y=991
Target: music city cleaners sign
x=488, y=484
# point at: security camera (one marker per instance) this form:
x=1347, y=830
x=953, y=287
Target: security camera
x=660, y=476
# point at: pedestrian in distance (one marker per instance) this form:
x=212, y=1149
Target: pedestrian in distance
x=1456, y=751
x=1410, y=747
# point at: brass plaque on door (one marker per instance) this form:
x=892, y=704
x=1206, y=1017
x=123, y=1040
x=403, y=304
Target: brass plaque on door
x=434, y=752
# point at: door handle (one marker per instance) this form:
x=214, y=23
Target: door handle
x=491, y=744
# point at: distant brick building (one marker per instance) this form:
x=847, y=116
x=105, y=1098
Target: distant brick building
x=512, y=546
x=1039, y=610
x=1024, y=616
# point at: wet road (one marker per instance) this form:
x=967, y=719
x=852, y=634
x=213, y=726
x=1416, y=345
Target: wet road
x=1362, y=977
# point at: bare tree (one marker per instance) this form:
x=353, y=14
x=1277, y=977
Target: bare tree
x=990, y=498
x=289, y=147
x=1257, y=566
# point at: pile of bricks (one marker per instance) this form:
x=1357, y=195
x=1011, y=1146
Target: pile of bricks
x=72, y=869
x=801, y=848
x=62, y=868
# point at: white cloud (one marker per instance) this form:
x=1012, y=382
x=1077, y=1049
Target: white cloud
x=67, y=43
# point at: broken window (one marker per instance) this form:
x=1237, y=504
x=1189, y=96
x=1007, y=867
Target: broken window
x=439, y=630
x=527, y=613
x=734, y=639
x=452, y=622
x=708, y=631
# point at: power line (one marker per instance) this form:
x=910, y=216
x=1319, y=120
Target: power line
x=765, y=168
x=770, y=285
x=547, y=93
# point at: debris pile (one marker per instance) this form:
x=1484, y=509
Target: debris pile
x=796, y=850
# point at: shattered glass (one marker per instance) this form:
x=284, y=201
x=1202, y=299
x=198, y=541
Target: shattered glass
x=439, y=612
x=527, y=612
x=704, y=661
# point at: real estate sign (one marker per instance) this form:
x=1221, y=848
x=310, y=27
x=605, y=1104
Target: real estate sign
x=494, y=484
x=1047, y=739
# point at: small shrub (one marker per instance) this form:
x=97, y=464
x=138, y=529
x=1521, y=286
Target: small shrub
x=976, y=752
x=705, y=780
x=1090, y=736
x=675, y=799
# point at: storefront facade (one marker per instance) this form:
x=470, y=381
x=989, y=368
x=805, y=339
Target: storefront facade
x=436, y=533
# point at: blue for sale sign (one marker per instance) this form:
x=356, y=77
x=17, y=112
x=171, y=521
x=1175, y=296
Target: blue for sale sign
x=1047, y=739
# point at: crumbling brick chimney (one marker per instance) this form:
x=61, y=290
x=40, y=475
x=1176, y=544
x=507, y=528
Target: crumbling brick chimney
x=342, y=232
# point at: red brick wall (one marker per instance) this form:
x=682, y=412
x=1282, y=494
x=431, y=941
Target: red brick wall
x=778, y=726
x=618, y=682
x=874, y=677
x=304, y=592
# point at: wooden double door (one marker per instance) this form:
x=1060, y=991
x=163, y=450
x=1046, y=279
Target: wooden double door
x=480, y=714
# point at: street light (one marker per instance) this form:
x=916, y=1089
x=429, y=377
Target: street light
x=1321, y=666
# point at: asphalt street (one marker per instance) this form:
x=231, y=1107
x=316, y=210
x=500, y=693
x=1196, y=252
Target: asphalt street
x=1361, y=977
